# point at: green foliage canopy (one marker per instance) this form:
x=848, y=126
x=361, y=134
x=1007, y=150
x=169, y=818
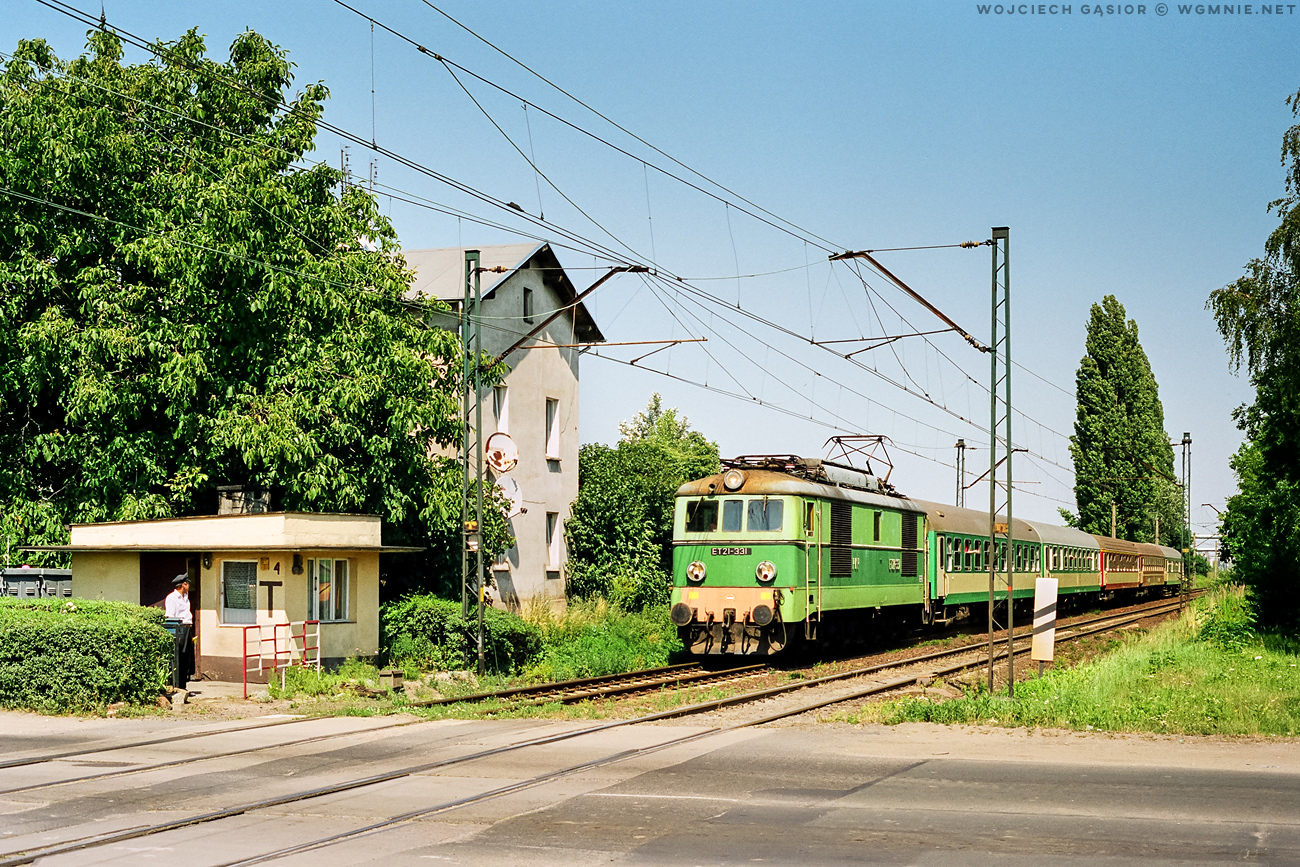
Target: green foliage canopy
x=1119, y=446
x=620, y=527
x=186, y=302
x=1259, y=318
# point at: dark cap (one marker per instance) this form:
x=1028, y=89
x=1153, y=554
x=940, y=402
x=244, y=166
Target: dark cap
x=179, y=580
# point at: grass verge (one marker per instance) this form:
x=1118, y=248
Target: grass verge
x=1205, y=673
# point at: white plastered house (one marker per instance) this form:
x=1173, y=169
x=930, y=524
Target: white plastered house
x=537, y=405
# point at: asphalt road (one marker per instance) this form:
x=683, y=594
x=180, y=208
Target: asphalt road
x=800, y=794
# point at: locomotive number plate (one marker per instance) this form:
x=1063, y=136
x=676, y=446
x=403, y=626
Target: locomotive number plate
x=724, y=552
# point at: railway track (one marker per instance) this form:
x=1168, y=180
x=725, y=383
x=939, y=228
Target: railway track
x=1076, y=630
x=608, y=686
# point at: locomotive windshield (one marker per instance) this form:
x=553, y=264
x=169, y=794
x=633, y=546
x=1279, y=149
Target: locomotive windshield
x=756, y=515
x=765, y=515
x=702, y=516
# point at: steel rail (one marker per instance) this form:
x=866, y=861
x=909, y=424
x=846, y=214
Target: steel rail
x=208, y=757
x=28, y=856
x=50, y=757
x=633, y=687
x=561, y=684
x=382, y=825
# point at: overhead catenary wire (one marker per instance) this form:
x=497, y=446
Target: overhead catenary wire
x=73, y=12
x=585, y=244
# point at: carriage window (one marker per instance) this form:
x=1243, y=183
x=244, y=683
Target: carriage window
x=809, y=519
x=732, y=510
x=701, y=516
x=765, y=515
x=984, y=565
x=970, y=555
x=876, y=525
x=946, y=547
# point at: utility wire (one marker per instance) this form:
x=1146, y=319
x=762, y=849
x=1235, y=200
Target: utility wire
x=67, y=9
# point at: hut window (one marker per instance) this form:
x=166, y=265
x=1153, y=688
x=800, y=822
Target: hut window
x=327, y=590
x=239, y=591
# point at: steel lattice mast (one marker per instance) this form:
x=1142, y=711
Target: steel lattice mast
x=1000, y=418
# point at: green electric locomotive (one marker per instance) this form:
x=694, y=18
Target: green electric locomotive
x=781, y=548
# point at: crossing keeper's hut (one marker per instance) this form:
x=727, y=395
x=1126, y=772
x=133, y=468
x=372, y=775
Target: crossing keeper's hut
x=274, y=571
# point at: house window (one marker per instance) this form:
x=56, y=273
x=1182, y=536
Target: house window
x=552, y=429
x=239, y=591
x=553, y=544
x=528, y=304
x=327, y=590
x=501, y=408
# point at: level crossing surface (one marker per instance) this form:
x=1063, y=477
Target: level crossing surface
x=788, y=793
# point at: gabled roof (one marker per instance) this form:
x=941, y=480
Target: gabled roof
x=440, y=273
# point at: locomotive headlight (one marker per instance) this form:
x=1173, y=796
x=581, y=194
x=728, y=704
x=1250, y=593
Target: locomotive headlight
x=766, y=572
x=733, y=480
x=695, y=572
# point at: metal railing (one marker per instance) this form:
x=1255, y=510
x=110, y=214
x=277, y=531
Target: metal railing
x=280, y=646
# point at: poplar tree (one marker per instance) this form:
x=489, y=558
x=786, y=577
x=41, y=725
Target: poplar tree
x=186, y=302
x=1120, y=449
x=1259, y=318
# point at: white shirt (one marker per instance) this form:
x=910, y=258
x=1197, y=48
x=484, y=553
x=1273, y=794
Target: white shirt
x=177, y=606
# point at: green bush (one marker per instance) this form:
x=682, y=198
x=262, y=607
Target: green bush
x=1228, y=623
x=61, y=655
x=609, y=642
x=430, y=632
x=632, y=586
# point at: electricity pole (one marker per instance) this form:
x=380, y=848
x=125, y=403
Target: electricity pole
x=1187, y=518
x=960, y=502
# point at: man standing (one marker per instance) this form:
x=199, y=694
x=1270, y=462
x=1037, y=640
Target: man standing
x=177, y=607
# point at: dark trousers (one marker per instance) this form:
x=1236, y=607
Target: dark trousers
x=183, y=656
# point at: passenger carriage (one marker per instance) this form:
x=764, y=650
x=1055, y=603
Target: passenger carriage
x=1121, y=564
x=960, y=552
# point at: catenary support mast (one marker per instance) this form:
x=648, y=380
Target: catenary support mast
x=1000, y=533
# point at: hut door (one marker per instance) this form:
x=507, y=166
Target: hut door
x=156, y=573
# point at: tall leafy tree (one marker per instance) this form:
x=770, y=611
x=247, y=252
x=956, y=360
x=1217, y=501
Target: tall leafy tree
x=187, y=303
x=1259, y=318
x=621, y=525
x=1120, y=449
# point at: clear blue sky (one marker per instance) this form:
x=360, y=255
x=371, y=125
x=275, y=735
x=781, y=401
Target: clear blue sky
x=1129, y=154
